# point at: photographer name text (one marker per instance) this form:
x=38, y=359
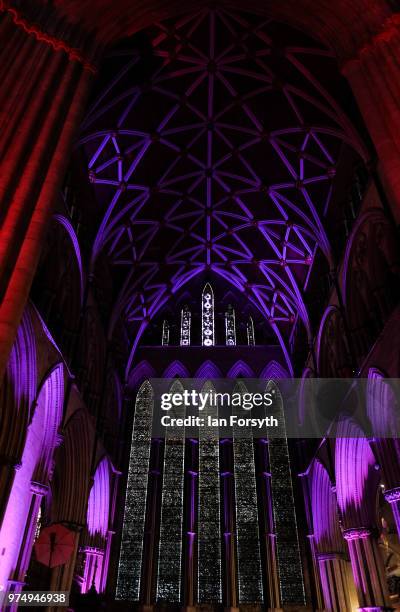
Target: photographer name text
x=211, y=421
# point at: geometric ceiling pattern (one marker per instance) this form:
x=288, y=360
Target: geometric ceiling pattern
x=223, y=161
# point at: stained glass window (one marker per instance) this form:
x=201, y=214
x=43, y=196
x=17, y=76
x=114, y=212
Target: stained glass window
x=207, y=316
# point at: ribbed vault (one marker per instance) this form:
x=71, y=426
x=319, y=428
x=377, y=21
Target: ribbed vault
x=223, y=161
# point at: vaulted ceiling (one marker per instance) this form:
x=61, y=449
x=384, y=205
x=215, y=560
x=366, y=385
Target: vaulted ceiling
x=222, y=159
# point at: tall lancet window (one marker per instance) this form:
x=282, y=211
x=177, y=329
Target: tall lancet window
x=207, y=317
x=251, y=341
x=186, y=319
x=165, y=333
x=132, y=543
x=170, y=539
x=230, y=326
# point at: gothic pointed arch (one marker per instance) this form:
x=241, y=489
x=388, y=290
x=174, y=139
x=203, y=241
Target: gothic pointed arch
x=240, y=370
x=208, y=369
x=356, y=476
x=176, y=369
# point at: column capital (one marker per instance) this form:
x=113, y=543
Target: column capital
x=392, y=495
x=329, y=556
x=38, y=488
x=356, y=533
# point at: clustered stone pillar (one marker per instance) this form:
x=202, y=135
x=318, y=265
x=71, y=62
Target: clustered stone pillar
x=368, y=570
x=45, y=83
x=374, y=76
x=392, y=496
x=333, y=575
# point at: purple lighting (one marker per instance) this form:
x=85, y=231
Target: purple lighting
x=31, y=478
x=242, y=193
x=99, y=500
x=356, y=476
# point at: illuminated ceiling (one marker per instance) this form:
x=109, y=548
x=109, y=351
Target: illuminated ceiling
x=222, y=161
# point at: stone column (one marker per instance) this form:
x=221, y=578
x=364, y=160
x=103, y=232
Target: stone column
x=368, y=570
x=333, y=575
x=41, y=105
x=17, y=581
x=8, y=467
x=374, y=76
x=393, y=497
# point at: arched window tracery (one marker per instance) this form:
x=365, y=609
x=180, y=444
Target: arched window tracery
x=207, y=316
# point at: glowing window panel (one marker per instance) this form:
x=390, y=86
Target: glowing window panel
x=251, y=341
x=287, y=542
x=230, y=326
x=247, y=533
x=130, y=560
x=209, y=539
x=186, y=319
x=170, y=550
x=207, y=317
x=165, y=333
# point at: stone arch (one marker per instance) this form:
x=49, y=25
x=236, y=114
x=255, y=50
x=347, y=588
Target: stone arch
x=274, y=370
x=325, y=516
x=72, y=471
x=370, y=278
x=240, y=369
x=140, y=373
x=176, y=369
x=356, y=476
x=329, y=543
x=32, y=478
x=208, y=369
x=18, y=389
x=59, y=284
x=333, y=352
x=383, y=413
x=93, y=543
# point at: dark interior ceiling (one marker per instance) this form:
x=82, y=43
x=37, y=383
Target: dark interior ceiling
x=328, y=21
x=216, y=144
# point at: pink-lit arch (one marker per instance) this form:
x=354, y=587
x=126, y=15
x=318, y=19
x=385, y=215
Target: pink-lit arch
x=99, y=500
x=32, y=478
x=324, y=510
x=356, y=476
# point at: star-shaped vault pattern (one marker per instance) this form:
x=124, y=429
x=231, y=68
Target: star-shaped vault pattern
x=223, y=160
